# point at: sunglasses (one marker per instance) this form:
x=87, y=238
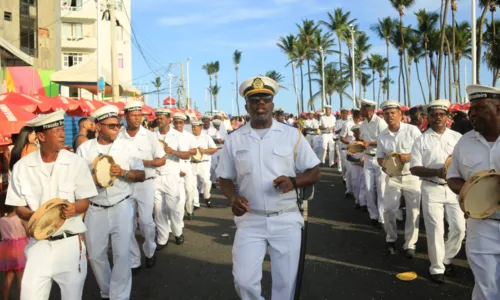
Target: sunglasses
x=256, y=98
x=112, y=125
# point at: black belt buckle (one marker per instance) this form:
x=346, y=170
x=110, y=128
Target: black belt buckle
x=61, y=236
x=108, y=206
x=277, y=213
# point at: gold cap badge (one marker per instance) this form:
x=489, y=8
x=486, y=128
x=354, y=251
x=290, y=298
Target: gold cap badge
x=258, y=83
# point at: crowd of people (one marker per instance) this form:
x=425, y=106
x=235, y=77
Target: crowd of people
x=164, y=170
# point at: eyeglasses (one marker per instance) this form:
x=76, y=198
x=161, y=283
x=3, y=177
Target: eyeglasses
x=440, y=115
x=113, y=125
x=256, y=98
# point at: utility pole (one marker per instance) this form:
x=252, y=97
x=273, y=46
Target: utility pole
x=232, y=97
x=188, y=90
x=182, y=86
x=98, y=52
x=170, y=88
x=354, y=104
x=114, y=54
x=323, y=96
x=473, y=54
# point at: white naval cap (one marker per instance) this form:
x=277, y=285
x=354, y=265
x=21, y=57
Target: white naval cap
x=105, y=112
x=390, y=104
x=344, y=109
x=205, y=116
x=328, y=106
x=219, y=114
x=478, y=92
x=162, y=111
x=196, y=123
x=133, y=106
x=320, y=113
x=311, y=112
x=179, y=115
x=216, y=122
x=258, y=85
x=442, y=104
x=367, y=103
x=356, y=127
x=46, y=122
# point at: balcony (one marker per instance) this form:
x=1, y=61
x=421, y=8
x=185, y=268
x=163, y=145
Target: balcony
x=78, y=13
x=79, y=43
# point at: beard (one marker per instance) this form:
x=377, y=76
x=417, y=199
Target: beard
x=91, y=134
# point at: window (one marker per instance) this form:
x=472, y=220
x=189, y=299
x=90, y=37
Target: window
x=72, y=59
x=119, y=5
x=120, y=61
x=73, y=30
x=72, y=4
x=74, y=93
x=7, y=16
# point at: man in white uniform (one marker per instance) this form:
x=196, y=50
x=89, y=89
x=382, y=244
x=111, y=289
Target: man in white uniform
x=326, y=125
x=168, y=205
x=428, y=156
x=111, y=213
x=153, y=156
x=356, y=175
x=399, y=137
x=201, y=169
x=311, y=126
x=476, y=151
x=338, y=143
x=346, y=137
x=52, y=172
x=261, y=159
x=371, y=127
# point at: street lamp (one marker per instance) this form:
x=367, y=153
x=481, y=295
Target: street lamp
x=323, y=97
x=170, y=86
x=473, y=42
x=351, y=29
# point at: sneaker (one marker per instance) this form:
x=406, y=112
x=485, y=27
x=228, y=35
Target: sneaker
x=410, y=253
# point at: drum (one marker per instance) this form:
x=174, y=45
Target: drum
x=447, y=164
x=392, y=164
x=198, y=156
x=47, y=219
x=479, y=197
x=356, y=148
x=101, y=170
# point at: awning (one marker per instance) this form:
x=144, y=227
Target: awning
x=10, y=51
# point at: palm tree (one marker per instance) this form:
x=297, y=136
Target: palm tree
x=216, y=67
x=454, y=56
x=375, y=63
x=210, y=69
x=157, y=85
x=300, y=49
x=415, y=52
x=334, y=83
x=426, y=24
x=306, y=33
x=339, y=23
x=463, y=38
x=385, y=86
x=384, y=29
x=492, y=55
x=362, y=47
x=215, y=92
x=287, y=45
x=444, y=11
x=236, y=61
x=397, y=42
x=324, y=42
x=276, y=76
x=485, y=5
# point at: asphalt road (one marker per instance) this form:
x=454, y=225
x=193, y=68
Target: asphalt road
x=345, y=258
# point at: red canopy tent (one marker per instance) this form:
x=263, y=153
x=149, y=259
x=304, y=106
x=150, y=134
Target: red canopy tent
x=455, y=107
x=405, y=108
x=13, y=118
x=466, y=106
x=169, y=101
x=26, y=102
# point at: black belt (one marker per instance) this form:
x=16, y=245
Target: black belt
x=197, y=162
x=149, y=178
x=442, y=184
x=61, y=236
x=108, y=206
x=493, y=219
x=372, y=155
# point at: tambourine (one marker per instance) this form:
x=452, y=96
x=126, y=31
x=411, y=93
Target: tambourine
x=479, y=197
x=447, y=164
x=47, y=219
x=101, y=170
x=198, y=156
x=392, y=164
x=356, y=148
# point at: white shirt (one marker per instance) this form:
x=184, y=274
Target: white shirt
x=212, y=132
x=204, y=141
x=173, y=140
x=186, y=143
x=400, y=141
x=148, y=145
x=126, y=155
x=432, y=149
x=327, y=122
x=32, y=185
x=311, y=124
x=346, y=132
x=338, y=127
x=370, y=130
x=253, y=163
x=290, y=121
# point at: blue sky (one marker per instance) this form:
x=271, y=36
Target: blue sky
x=170, y=31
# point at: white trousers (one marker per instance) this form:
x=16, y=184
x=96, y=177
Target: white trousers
x=409, y=187
x=189, y=188
x=182, y=198
x=327, y=144
x=61, y=261
x=483, y=254
x=201, y=173
x=375, y=186
x=213, y=166
x=358, y=185
x=337, y=156
x=439, y=202
x=166, y=207
x=310, y=139
x=102, y=223
x=143, y=201
x=254, y=234
x=346, y=165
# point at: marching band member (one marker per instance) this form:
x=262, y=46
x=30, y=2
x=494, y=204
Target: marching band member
x=346, y=136
x=201, y=169
x=326, y=125
x=280, y=115
x=52, y=172
x=338, y=128
x=428, y=156
x=371, y=127
x=356, y=175
x=259, y=159
x=111, y=211
x=168, y=207
x=311, y=126
x=215, y=157
x=399, y=137
x=477, y=151
x=210, y=130
x=153, y=156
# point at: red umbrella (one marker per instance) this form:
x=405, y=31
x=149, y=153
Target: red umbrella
x=455, y=107
x=405, y=108
x=5, y=140
x=85, y=108
x=120, y=105
x=466, y=106
x=26, y=102
x=13, y=118
x=169, y=101
x=58, y=103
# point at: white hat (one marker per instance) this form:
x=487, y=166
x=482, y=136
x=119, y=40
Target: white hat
x=443, y=104
x=133, y=106
x=179, y=115
x=328, y=106
x=206, y=117
x=162, y=111
x=477, y=92
x=344, y=109
x=367, y=103
x=258, y=85
x=196, y=123
x=46, y=122
x=356, y=127
x=216, y=122
x=219, y=114
x=320, y=113
x=312, y=112
x=390, y=104
x=105, y=112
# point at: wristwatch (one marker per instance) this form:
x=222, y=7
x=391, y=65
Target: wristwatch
x=125, y=175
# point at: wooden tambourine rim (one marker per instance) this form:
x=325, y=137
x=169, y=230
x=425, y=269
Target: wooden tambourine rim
x=40, y=212
x=467, y=187
x=198, y=154
x=94, y=172
x=387, y=158
x=355, y=145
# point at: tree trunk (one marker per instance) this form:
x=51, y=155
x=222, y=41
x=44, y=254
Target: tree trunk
x=211, y=102
x=388, y=67
x=373, y=82
x=403, y=80
x=158, y=91
x=407, y=68
x=496, y=73
x=454, y=56
x=458, y=81
x=311, y=101
x=440, y=60
x=399, y=78
x=340, y=65
x=302, y=86
x=450, y=73
x=360, y=76
x=479, y=42
x=379, y=88
x=420, y=82
x=427, y=73
x=444, y=82
x=295, y=88
x=237, y=102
